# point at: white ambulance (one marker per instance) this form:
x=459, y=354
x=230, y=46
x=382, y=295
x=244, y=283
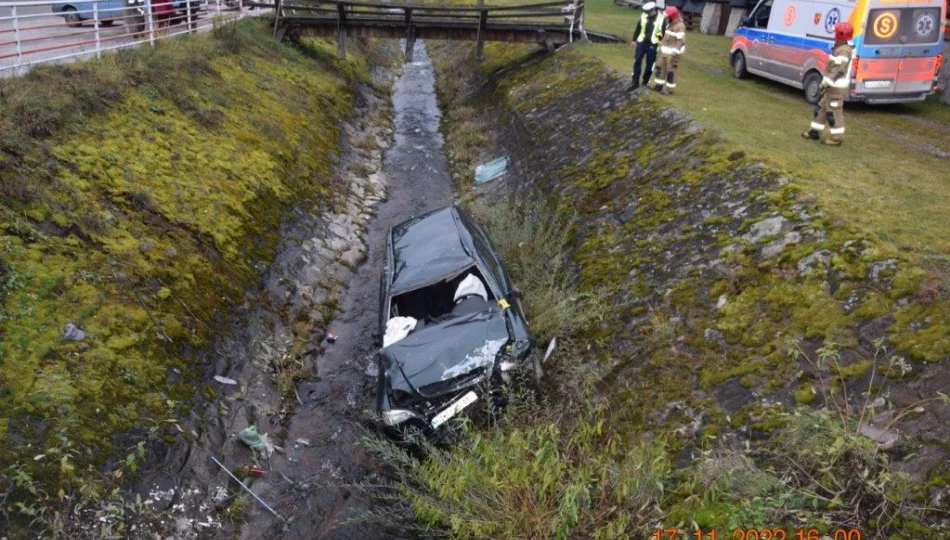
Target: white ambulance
x=898, y=45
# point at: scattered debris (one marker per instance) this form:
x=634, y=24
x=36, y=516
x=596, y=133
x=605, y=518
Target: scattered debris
x=247, y=489
x=71, y=333
x=224, y=380
x=332, y=337
x=250, y=470
x=220, y=494
x=551, y=346
x=495, y=168
x=258, y=441
x=303, y=442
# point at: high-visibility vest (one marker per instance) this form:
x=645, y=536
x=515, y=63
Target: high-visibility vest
x=657, y=29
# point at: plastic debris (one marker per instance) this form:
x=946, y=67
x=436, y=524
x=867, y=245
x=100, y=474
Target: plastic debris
x=224, y=380
x=250, y=470
x=220, y=494
x=247, y=489
x=550, y=350
x=256, y=440
x=492, y=170
x=72, y=333
x=332, y=337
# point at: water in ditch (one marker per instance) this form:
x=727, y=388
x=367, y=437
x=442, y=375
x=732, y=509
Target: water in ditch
x=312, y=484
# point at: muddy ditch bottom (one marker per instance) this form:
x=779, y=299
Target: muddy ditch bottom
x=310, y=482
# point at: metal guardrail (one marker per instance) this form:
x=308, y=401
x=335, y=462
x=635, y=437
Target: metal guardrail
x=43, y=31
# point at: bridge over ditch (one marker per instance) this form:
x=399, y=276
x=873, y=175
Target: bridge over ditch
x=548, y=23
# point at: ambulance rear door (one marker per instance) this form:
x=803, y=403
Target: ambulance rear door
x=898, y=50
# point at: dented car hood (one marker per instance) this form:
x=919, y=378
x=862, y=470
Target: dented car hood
x=446, y=350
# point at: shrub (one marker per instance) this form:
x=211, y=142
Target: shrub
x=534, y=244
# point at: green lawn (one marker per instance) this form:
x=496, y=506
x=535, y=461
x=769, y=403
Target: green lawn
x=892, y=176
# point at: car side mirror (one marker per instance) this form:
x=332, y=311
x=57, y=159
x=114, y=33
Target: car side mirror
x=515, y=293
x=746, y=21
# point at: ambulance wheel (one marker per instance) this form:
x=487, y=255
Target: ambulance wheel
x=812, y=84
x=739, y=66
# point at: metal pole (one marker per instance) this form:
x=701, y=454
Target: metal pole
x=277, y=10
x=150, y=21
x=247, y=489
x=95, y=19
x=480, y=36
x=188, y=14
x=16, y=34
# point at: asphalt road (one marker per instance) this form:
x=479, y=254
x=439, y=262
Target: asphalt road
x=45, y=37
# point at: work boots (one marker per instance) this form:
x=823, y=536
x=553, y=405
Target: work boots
x=834, y=141
x=812, y=134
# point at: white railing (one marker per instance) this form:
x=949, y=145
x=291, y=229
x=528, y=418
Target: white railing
x=60, y=30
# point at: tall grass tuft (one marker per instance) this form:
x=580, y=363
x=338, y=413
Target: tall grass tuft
x=534, y=244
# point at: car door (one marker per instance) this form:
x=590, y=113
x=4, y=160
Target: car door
x=783, y=54
x=756, y=31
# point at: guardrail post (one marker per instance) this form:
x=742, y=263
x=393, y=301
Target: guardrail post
x=16, y=37
x=95, y=21
x=188, y=15
x=150, y=21
x=480, y=36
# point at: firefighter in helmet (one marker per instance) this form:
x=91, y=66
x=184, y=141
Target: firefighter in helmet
x=834, y=87
x=672, y=46
x=646, y=37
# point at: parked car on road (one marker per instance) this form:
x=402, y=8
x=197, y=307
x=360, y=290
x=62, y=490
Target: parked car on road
x=76, y=12
x=450, y=322
x=131, y=11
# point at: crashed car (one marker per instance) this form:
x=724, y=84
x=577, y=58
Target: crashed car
x=450, y=322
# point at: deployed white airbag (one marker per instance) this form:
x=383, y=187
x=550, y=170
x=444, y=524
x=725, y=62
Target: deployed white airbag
x=398, y=328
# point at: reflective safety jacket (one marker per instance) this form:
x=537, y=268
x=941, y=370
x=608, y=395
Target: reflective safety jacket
x=653, y=27
x=838, y=71
x=674, y=38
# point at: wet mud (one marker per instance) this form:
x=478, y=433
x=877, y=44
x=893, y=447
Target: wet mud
x=324, y=280
x=310, y=483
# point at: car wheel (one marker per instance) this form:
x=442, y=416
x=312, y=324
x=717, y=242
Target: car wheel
x=739, y=65
x=71, y=16
x=812, y=84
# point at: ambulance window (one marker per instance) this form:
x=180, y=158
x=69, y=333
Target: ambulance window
x=760, y=19
x=903, y=26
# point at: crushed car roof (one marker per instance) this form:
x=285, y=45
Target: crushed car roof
x=425, y=250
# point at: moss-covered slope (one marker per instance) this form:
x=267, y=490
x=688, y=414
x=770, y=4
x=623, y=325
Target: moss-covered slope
x=735, y=288
x=140, y=195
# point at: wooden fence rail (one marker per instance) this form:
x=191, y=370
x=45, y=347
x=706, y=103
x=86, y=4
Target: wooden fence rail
x=547, y=23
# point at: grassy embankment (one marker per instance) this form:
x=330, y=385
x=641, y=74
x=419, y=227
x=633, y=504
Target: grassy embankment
x=891, y=178
x=138, y=195
x=658, y=420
